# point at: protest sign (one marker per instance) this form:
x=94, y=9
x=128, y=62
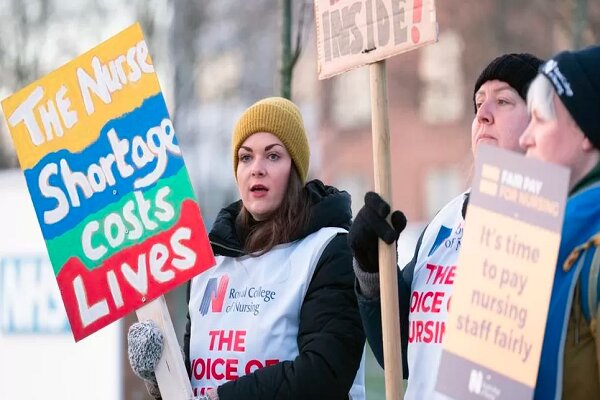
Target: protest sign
x=502, y=286
x=353, y=33
x=108, y=182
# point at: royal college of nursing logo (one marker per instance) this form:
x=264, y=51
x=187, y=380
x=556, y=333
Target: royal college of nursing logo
x=447, y=238
x=249, y=299
x=214, y=294
x=443, y=234
x=480, y=385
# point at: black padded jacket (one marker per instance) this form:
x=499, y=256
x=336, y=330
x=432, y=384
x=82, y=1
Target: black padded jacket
x=330, y=336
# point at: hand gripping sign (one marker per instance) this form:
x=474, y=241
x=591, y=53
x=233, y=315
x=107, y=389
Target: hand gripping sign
x=350, y=34
x=109, y=184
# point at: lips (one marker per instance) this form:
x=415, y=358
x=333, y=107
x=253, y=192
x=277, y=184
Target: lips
x=259, y=188
x=485, y=137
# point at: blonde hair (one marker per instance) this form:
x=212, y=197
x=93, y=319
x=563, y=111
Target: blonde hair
x=539, y=98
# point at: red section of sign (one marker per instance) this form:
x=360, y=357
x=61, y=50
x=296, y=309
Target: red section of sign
x=417, y=12
x=133, y=277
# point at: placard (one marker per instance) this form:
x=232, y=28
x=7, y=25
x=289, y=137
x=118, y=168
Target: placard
x=108, y=182
x=353, y=33
x=495, y=328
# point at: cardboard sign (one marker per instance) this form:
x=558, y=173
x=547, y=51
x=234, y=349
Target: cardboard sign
x=504, y=278
x=353, y=33
x=108, y=182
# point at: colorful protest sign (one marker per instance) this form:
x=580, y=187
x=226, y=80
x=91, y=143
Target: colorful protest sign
x=499, y=305
x=108, y=182
x=353, y=33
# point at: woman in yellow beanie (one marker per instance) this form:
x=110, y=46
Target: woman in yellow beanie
x=277, y=317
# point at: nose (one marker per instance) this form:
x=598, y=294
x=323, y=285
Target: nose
x=484, y=113
x=526, y=139
x=258, y=168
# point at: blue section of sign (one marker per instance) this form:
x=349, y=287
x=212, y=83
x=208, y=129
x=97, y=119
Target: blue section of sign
x=30, y=301
x=141, y=157
x=443, y=234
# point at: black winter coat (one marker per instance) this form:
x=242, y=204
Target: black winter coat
x=330, y=335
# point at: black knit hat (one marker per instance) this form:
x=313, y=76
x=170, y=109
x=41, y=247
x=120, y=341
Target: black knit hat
x=518, y=70
x=575, y=76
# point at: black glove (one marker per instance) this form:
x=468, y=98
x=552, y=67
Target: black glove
x=369, y=226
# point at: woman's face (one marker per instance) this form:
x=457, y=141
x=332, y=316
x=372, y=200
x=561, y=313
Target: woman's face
x=501, y=116
x=263, y=173
x=558, y=140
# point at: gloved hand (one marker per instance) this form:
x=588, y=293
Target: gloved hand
x=211, y=394
x=144, y=348
x=369, y=226
x=145, y=343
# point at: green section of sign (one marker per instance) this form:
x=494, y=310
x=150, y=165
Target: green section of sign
x=125, y=223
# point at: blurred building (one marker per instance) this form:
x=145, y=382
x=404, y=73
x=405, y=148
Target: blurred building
x=40, y=359
x=430, y=94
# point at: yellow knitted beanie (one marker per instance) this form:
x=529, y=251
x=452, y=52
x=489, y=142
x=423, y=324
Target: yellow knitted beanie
x=281, y=118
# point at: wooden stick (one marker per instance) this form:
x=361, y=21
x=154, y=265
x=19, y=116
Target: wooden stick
x=171, y=374
x=390, y=313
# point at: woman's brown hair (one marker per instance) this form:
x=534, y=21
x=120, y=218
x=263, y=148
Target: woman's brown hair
x=286, y=224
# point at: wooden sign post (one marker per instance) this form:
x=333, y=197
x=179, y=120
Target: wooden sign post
x=351, y=34
x=170, y=371
x=392, y=353
x=111, y=192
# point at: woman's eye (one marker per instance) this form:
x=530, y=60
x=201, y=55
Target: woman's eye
x=245, y=157
x=273, y=157
x=536, y=116
x=479, y=102
x=503, y=101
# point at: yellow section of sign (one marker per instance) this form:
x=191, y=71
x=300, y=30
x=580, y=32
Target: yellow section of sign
x=490, y=172
x=488, y=187
x=67, y=108
x=499, y=321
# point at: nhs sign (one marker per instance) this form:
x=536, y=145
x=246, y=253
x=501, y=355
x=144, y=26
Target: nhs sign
x=30, y=302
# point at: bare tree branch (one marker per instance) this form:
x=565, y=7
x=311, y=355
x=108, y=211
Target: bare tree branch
x=299, y=34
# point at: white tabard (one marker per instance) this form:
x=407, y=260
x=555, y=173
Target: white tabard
x=430, y=297
x=245, y=311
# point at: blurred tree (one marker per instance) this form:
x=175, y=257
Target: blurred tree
x=19, y=63
x=18, y=52
x=289, y=55
x=185, y=32
x=579, y=23
x=37, y=36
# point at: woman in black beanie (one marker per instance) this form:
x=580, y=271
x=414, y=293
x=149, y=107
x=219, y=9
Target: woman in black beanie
x=425, y=284
x=564, y=100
